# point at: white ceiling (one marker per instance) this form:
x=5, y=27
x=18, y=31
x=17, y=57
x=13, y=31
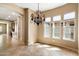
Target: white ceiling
x=7, y=14
x=42, y=6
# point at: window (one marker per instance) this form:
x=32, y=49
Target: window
x=56, y=30
x=56, y=27
x=69, y=26
x=48, y=19
x=69, y=15
x=57, y=18
x=68, y=30
x=61, y=28
x=47, y=28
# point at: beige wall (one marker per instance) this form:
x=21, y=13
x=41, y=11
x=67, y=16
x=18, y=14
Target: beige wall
x=63, y=43
x=32, y=33
x=31, y=28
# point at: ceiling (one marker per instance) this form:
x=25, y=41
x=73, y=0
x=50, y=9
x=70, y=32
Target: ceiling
x=42, y=6
x=7, y=14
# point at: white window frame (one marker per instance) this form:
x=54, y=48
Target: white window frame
x=47, y=22
x=59, y=20
x=69, y=39
x=55, y=37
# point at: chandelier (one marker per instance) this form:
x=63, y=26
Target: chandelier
x=39, y=17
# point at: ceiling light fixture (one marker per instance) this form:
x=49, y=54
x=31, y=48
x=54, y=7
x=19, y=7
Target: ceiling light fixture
x=8, y=16
x=39, y=17
x=13, y=13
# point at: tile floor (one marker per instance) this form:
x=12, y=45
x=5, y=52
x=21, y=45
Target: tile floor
x=37, y=50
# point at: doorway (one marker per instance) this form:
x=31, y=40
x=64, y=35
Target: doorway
x=13, y=24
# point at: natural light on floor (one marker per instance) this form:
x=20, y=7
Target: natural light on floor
x=49, y=47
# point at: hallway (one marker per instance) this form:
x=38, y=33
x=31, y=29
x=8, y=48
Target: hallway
x=37, y=50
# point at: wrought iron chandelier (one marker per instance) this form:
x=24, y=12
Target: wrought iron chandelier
x=39, y=17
